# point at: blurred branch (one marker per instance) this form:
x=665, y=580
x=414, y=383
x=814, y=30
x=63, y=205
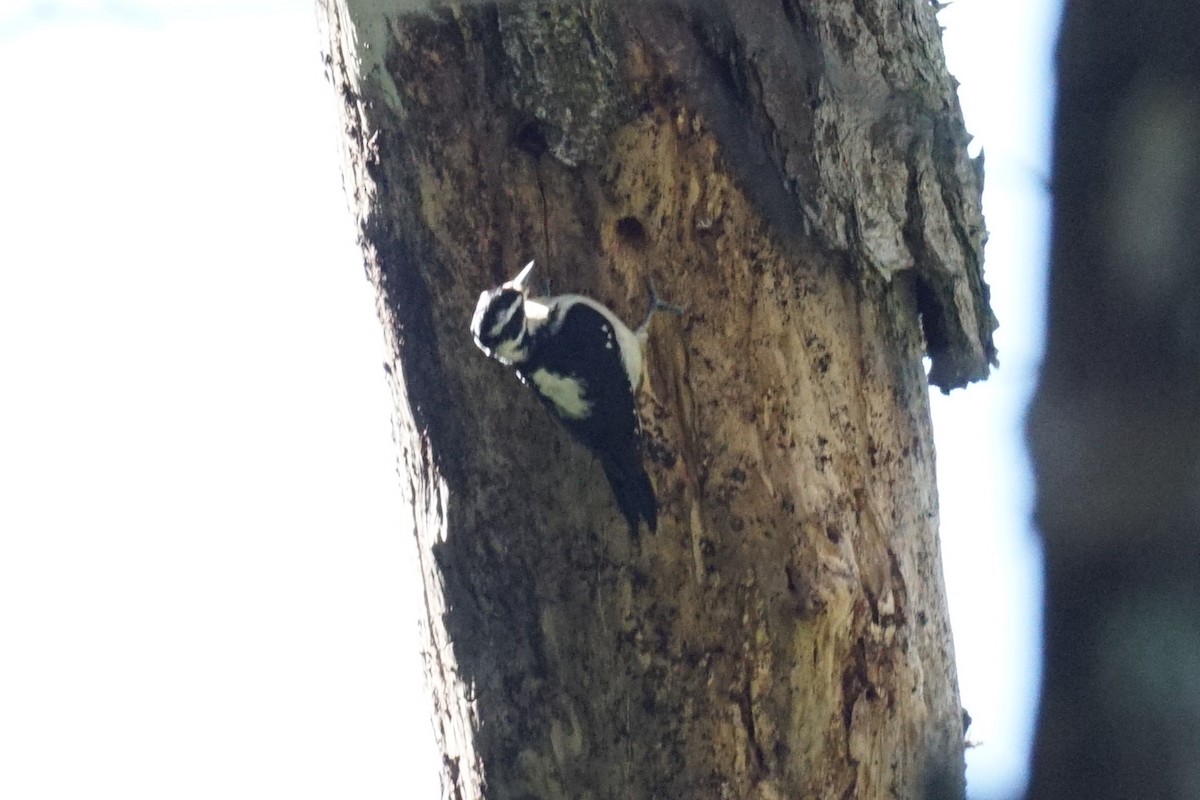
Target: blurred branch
x=1115, y=427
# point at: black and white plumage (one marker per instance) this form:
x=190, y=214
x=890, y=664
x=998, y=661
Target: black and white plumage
x=585, y=365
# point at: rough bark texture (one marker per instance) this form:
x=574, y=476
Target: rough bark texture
x=1115, y=425
x=795, y=175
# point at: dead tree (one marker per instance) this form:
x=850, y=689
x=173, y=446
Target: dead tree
x=796, y=175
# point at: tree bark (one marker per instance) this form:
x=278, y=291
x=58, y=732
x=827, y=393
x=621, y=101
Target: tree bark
x=795, y=175
x=1115, y=424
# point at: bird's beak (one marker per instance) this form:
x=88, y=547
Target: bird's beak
x=520, y=282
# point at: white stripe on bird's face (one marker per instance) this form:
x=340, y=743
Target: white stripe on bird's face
x=565, y=392
x=512, y=351
x=506, y=315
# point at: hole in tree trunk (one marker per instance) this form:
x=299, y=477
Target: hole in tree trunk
x=631, y=232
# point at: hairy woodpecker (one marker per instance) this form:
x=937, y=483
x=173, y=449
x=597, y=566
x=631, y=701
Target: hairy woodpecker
x=585, y=365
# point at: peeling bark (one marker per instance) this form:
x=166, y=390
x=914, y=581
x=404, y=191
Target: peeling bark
x=795, y=175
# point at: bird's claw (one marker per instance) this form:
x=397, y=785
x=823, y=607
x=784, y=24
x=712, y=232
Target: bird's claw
x=656, y=304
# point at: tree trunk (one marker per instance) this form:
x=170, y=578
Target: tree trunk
x=795, y=175
x=1115, y=424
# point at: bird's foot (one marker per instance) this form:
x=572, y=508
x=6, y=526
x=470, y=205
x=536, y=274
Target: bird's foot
x=656, y=304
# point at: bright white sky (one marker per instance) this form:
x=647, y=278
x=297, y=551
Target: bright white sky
x=205, y=585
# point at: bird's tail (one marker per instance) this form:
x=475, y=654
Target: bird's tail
x=634, y=493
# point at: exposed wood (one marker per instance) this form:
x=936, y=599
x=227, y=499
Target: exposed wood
x=795, y=175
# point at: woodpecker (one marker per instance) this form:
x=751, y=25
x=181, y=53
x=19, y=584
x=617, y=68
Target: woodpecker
x=586, y=366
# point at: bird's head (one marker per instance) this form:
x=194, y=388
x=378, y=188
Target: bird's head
x=499, y=322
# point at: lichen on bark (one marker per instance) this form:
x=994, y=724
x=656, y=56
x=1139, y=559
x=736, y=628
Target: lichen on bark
x=563, y=64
